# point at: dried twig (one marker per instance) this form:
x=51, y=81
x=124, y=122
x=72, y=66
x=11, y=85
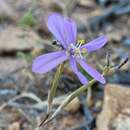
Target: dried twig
x=39, y=105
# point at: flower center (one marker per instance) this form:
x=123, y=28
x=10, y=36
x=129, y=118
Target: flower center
x=75, y=50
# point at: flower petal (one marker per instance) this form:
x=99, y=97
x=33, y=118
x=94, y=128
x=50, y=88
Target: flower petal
x=70, y=31
x=56, y=26
x=95, y=44
x=63, y=29
x=81, y=77
x=47, y=62
x=95, y=74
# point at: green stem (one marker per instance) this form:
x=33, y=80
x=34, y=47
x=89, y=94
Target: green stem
x=74, y=94
x=54, y=85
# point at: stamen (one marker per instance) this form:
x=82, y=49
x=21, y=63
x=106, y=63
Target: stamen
x=75, y=51
x=78, y=45
x=80, y=42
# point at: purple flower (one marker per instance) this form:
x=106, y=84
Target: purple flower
x=65, y=31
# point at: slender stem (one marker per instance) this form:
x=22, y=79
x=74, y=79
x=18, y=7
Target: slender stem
x=54, y=85
x=52, y=93
x=74, y=94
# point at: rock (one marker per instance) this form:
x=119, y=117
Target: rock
x=7, y=78
x=6, y=118
x=46, y=3
x=116, y=34
x=5, y=9
x=121, y=77
x=126, y=41
x=73, y=106
x=7, y=65
x=86, y=3
x=123, y=121
x=116, y=109
x=16, y=76
x=14, y=126
x=18, y=39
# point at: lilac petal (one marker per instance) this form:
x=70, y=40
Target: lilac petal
x=56, y=26
x=81, y=77
x=70, y=31
x=64, y=30
x=96, y=75
x=47, y=62
x=95, y=44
